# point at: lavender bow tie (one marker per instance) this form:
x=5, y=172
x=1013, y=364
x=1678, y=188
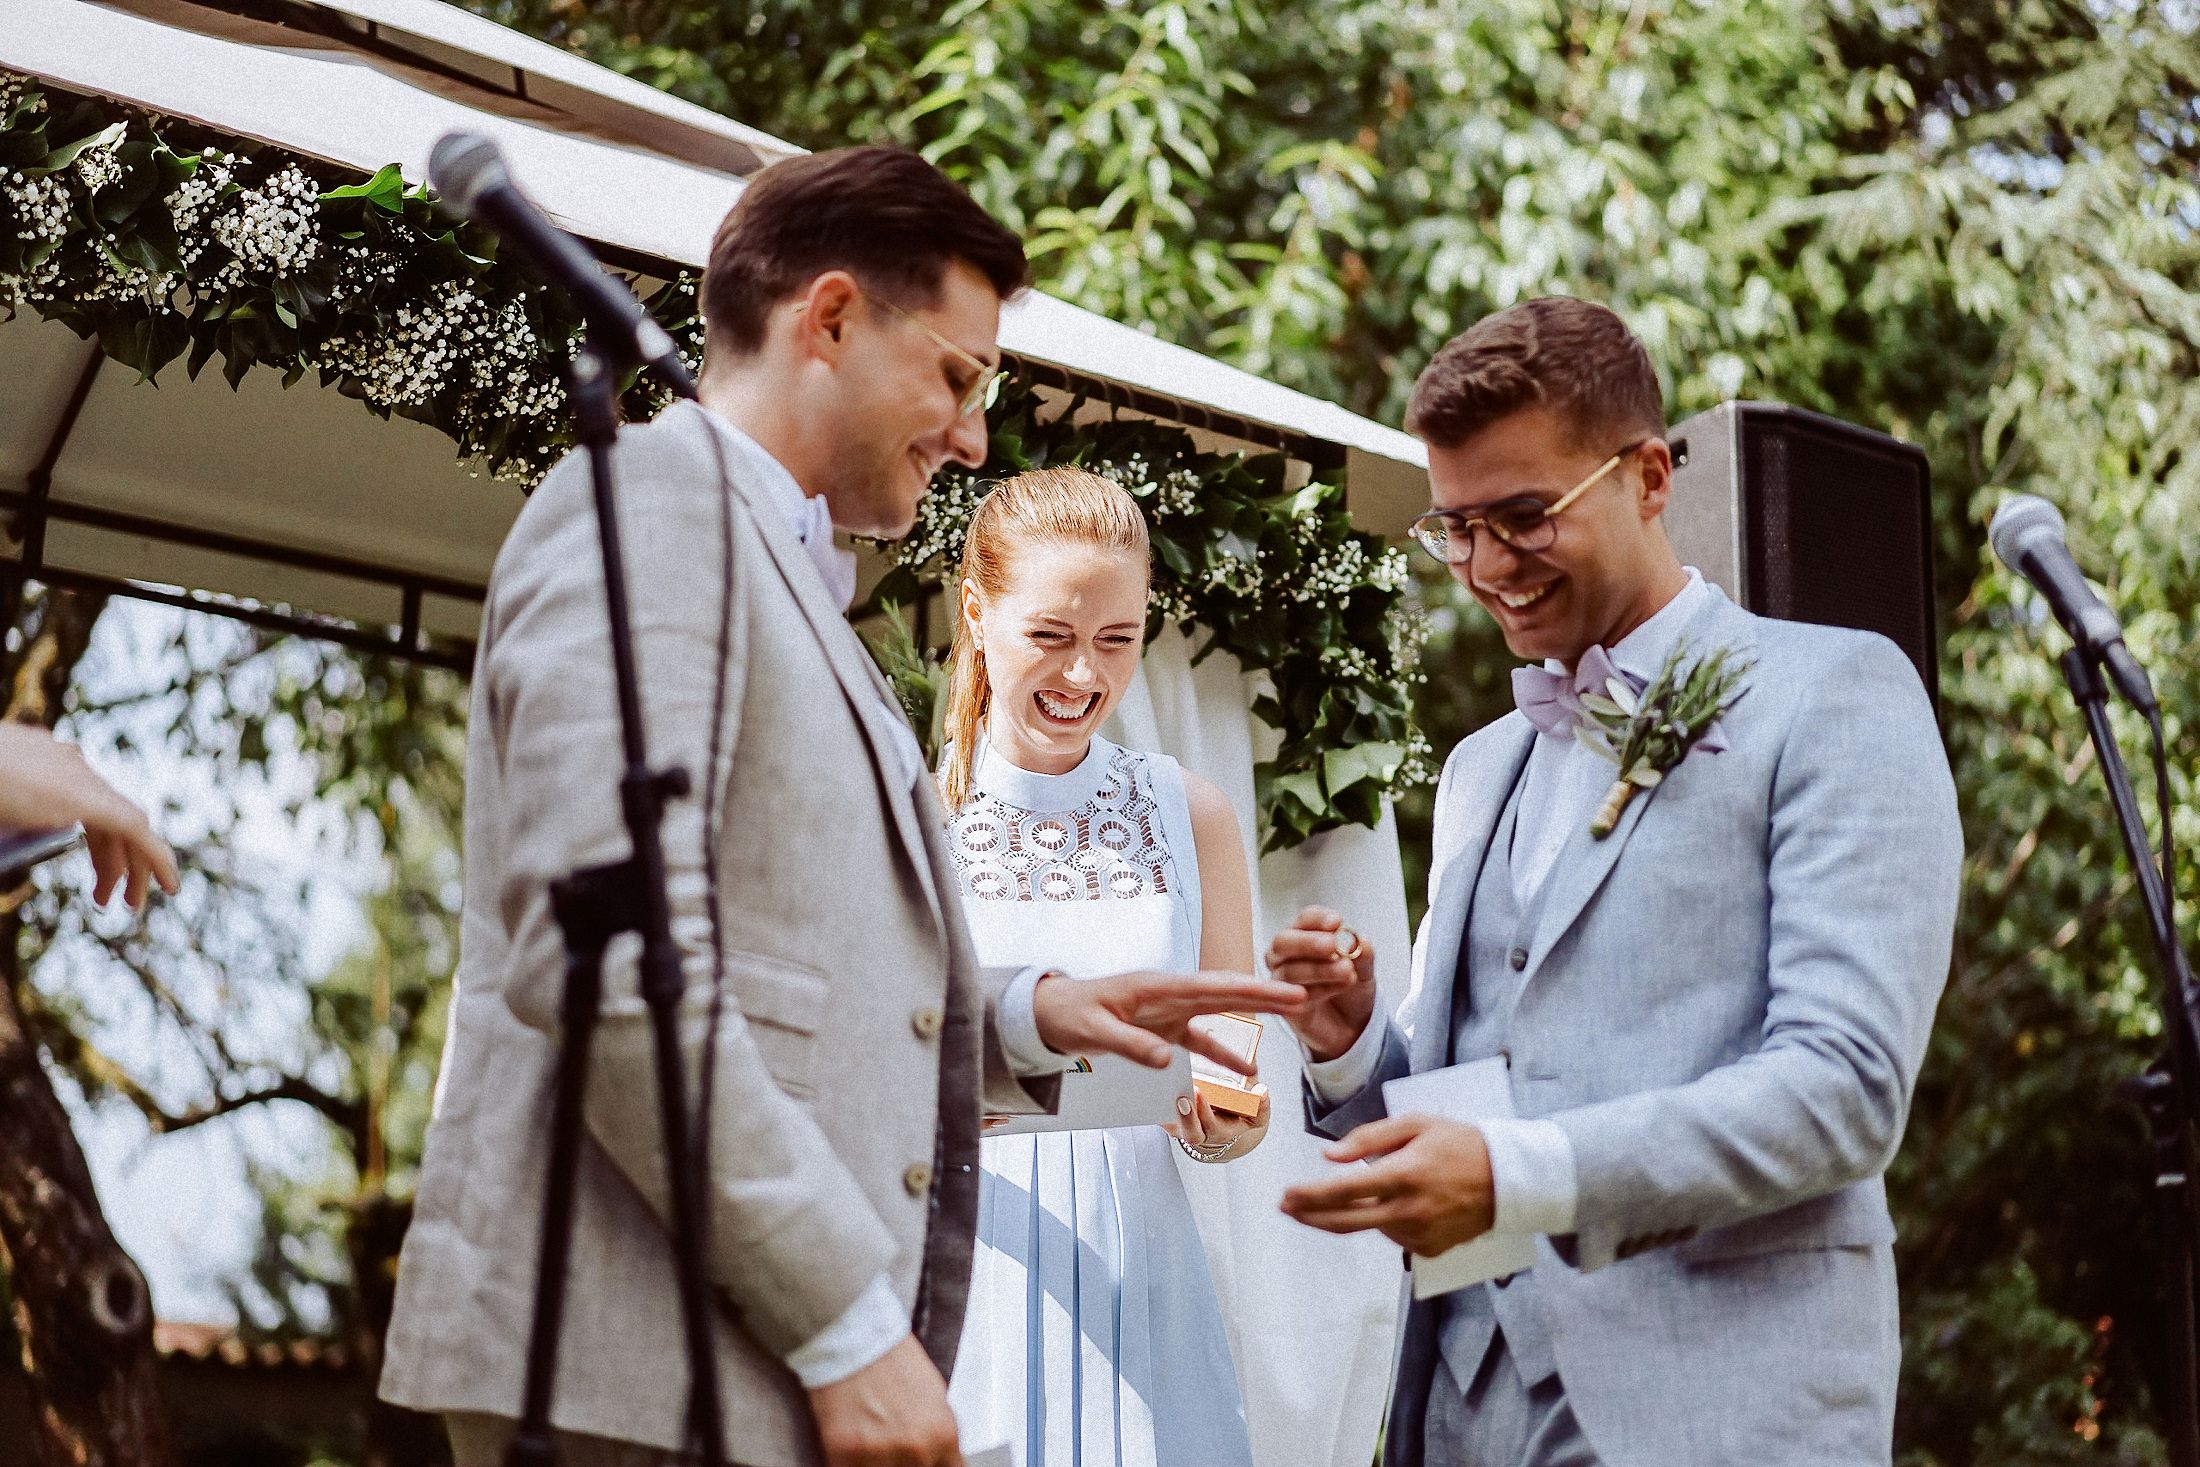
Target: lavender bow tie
x=1552, y=700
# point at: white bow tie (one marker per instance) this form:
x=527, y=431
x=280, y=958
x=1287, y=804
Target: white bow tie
x=835, y=565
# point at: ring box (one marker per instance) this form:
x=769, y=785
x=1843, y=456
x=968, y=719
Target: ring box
x=1225, y=1091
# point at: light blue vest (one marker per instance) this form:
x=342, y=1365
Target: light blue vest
x=1483, y=992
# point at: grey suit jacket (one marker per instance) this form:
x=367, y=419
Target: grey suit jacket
x=1725, y=1006
x=852, y=998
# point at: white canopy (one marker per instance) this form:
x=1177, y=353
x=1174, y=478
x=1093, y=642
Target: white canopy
x=299, y=497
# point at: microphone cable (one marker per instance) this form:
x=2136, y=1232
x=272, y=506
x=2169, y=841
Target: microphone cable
x=2166, y=807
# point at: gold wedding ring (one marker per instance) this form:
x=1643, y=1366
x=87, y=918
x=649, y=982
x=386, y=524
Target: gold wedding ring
x=1349, y=950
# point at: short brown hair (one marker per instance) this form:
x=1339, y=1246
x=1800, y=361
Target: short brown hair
x=1572, y=356
x=883, y=214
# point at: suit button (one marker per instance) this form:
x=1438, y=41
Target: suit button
x=917, y=1179
x=927, y=1023
x=1518, y=957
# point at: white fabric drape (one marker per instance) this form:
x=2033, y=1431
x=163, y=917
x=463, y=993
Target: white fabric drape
x=1311, y=1317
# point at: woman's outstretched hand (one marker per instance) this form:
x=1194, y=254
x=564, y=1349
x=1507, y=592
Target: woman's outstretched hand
x=1144, y=1017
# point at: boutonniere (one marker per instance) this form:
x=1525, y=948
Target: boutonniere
x=1646, y=730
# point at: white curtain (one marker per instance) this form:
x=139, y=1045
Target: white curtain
x=1311, y=1317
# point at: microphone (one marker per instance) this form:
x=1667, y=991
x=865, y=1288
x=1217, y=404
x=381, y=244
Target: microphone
x=2028, y=535
x=470, y=175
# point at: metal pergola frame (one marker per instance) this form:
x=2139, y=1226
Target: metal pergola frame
x=32, y=508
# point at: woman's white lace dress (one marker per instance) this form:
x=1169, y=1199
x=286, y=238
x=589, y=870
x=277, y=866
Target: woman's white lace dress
x=1094, y=1337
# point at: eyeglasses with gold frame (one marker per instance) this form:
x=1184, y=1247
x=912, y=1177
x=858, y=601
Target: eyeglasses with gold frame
x=981, y=383
x=1522, y=522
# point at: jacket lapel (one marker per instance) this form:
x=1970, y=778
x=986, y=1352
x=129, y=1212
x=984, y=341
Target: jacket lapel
x=869, y=697
x=1580, y=869
x=1492, y=779
x=1584, y=863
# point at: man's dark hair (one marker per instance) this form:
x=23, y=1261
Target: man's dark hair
x=883, y=214
x=1573, y=357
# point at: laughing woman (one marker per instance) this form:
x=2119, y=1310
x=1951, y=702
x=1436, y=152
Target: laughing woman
x=1094, y=1334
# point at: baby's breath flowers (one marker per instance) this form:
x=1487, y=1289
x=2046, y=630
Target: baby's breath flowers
x=245, y=253
x=240, y=252
x=270, y=229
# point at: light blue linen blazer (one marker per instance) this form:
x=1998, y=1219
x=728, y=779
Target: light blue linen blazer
x=1725, y=1006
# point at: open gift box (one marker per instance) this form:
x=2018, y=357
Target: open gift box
x=1230, y=1093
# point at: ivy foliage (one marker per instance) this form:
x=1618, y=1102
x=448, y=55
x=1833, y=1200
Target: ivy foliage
x=168, y=243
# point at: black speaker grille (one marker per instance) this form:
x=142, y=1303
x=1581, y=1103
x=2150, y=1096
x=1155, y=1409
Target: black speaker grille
x=1837, y=521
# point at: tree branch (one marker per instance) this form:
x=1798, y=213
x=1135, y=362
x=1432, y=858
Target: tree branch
x=73, y=1052
x=348, y=1116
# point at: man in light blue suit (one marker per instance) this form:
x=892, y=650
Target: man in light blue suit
x=1710, y=1019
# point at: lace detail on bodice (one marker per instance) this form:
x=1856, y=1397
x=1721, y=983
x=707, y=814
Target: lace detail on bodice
x=1108, y=847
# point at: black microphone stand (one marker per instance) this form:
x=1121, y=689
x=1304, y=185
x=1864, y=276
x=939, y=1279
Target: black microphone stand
x=593, y=905
x=2164, y=1093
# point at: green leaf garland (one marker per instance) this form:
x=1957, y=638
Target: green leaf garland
x=167, y=242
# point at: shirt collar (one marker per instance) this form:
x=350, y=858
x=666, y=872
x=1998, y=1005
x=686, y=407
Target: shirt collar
x=1643, y=651
x=786, y=495
x=805, y=514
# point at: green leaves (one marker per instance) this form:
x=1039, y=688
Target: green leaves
x=918, y=677
x=1646, y=734
x=385, y=191
x=68, y=153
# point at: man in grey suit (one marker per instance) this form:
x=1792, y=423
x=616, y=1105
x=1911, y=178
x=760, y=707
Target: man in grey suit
x=1709, y=1020
x=842, y=1033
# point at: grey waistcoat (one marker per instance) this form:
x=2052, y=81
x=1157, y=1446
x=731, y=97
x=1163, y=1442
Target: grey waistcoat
x=1482, y=1004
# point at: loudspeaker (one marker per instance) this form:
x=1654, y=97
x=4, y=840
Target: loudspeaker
x=1807, y=518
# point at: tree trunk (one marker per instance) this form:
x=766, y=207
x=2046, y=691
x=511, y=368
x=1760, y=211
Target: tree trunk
x=82, y=1310
x=81, y=1307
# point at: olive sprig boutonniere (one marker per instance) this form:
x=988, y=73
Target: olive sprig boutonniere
x=1647, y=730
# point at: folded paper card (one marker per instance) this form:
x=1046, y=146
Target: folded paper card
x=1467, y=1093
x=1106, y=1091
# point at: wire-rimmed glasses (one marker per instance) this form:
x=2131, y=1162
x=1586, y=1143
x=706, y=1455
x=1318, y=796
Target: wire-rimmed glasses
x=1522, y=522
x=974, y=395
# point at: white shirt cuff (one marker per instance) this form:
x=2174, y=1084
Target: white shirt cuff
x=1027, y=1052
x=865, y=1331
x=1532, y=1174
x=1337, y=1080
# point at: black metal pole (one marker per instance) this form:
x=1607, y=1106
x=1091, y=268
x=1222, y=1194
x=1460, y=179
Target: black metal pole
x=581, y=902
x=642, y=795
x=2165, y=1092
x=592, y=905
